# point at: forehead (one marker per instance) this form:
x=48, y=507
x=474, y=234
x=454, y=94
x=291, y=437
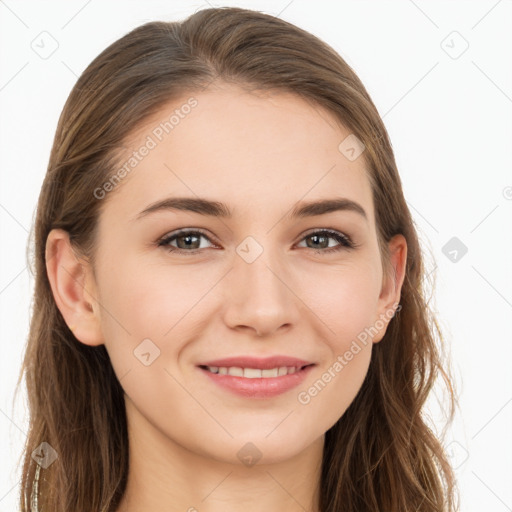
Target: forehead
x=255, y=151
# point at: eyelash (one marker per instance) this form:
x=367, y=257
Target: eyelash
x=344, y=241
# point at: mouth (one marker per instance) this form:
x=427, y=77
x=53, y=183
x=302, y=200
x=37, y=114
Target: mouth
x=252, y=378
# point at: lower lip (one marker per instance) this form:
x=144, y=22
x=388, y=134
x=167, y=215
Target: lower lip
x=266, y=387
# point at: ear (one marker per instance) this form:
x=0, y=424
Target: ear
x=73, y=287
x=389, y=298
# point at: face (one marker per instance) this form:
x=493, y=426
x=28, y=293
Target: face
x=180, y=289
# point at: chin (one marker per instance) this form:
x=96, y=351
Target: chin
x=259, y=448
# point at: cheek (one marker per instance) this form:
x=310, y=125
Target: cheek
x=143, y=333
x=333, y=386
x=329, y=393
x=344, y=297
x=150, y=302
x=345, y=300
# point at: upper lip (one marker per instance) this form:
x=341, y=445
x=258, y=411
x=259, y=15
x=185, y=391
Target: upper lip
x=258, y=363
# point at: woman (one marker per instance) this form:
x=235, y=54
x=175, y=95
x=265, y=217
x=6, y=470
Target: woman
x=228, y=305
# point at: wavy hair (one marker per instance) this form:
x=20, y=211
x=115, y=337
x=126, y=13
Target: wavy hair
x=381, y=455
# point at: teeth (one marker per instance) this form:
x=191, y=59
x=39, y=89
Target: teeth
x=236, y=371
x=253, y=373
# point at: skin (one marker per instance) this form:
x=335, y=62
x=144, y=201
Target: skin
x=260, y=154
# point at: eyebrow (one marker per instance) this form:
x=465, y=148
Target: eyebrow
x=218, y=209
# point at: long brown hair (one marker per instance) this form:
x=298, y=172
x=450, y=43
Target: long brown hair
x=381, y=454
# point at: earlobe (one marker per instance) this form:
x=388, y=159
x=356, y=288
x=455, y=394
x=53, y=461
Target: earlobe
x=389, y=298
x=73, y=288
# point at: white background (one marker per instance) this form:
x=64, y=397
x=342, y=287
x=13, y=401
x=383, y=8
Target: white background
x=451, y=126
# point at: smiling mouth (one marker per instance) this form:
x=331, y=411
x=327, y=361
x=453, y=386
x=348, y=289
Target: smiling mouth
x=254, y=373
x=258, y=383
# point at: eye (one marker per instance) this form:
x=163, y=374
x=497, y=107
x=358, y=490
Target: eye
x=320, y=241
x=188, y=241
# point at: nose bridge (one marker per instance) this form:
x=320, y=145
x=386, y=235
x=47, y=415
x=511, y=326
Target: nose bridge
x=258, y=295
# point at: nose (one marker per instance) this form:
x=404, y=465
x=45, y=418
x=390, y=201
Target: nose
x=260, y=296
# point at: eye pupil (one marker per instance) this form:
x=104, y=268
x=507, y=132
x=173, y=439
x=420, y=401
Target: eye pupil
x=188, y=242
x=316, y=238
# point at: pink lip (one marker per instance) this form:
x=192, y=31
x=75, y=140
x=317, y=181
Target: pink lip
x=263, y=387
